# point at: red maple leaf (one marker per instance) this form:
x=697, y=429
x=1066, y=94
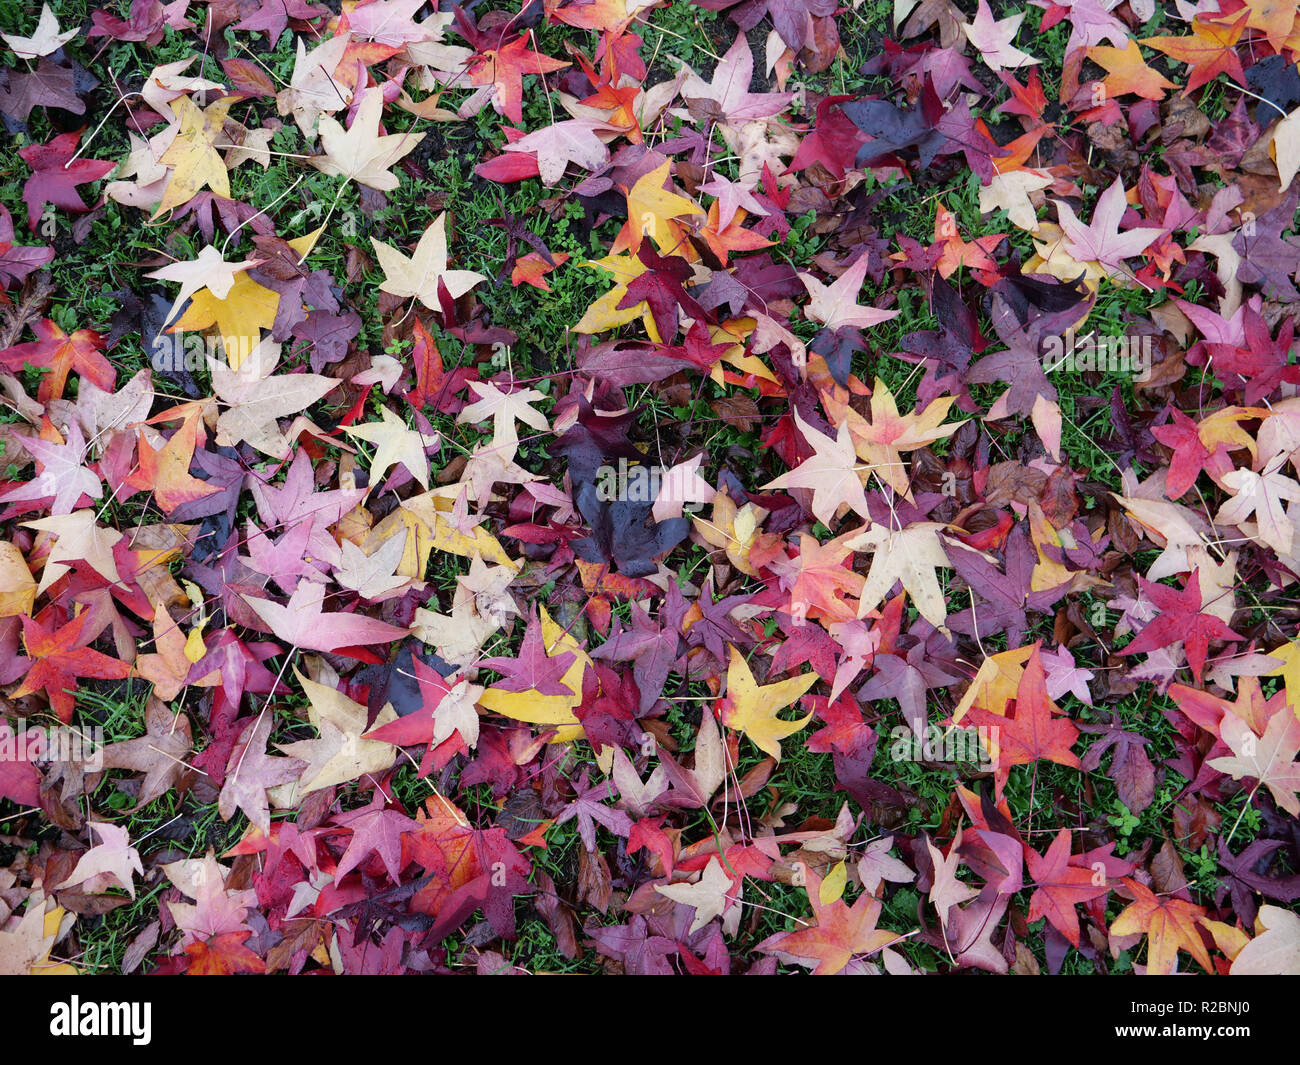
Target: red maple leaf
x=1263, y=363
x=1180, y=618
x=20, y=780
x=661, y=288
x=1060, y=886
x=62, y=353
x=419, y=727
x=434, y=385
x=834, y=140
x=698, y=347
x=58, y=660
x=1029, y=731
x=55, y=177
x=845, y=730
x=18, y=260
x=505, y=67
x=1189, y=457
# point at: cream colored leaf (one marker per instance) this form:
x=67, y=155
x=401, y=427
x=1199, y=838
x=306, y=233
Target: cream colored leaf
x=340, y=754
x=47, y=37
x=708, y=895
x=360, y=154
x=1010, y=192
x=832, y=473
x=397, y=445
x=1275, y=950
x=912, y=556
x=418, y=275
x=257, y=397
x=373, y=576
x=1286, y=148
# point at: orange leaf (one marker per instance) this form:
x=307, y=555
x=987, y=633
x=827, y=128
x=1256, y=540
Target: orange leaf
x=1170, y=925
x=223, y=955
x=1210, y=50
x=532, y=269
x=1275, y=18
x=733, y=237
x=1128, y=72
x=841, y=932
x=167, y=470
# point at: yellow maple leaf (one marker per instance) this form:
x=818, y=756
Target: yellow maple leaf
x=1048, y=572
x=653, y=211
x=1289, y=671
x=996, y=682
x=1051, y=258
x=51, y=928
x=736, y=331
x=1127, y=72
x=17, y=585
x=605, y=313
x=240, y=317
x=430, y=510
x=752, y=709
x=1223, y=428
x=734, y=529
x=196, y=163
